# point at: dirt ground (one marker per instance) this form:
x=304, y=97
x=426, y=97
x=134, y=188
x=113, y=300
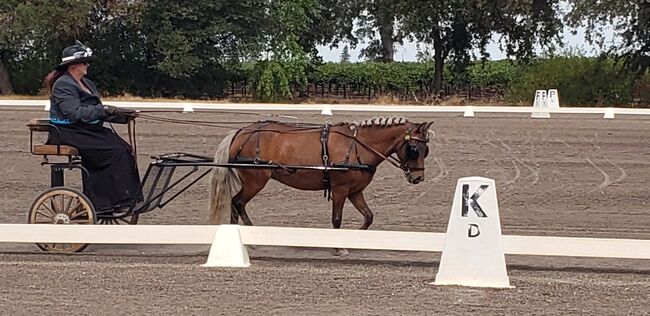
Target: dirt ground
x=571, y=175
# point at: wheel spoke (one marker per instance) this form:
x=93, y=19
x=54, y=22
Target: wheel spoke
x=70, y=200
x=63, y=209
x=83, y=212
x=55, y=206
x=47, y=208
x=80, y=215
x=49, y=216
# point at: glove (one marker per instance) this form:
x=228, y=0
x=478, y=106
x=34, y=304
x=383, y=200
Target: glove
x=110, y=110
x=128, y=111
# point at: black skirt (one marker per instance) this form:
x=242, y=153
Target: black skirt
x=113, y=180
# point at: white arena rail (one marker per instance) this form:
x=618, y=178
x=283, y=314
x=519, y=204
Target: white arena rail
x=325, y=108
x=315, y=238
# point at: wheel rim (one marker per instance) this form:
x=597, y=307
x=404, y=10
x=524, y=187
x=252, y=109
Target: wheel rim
x=62, y=206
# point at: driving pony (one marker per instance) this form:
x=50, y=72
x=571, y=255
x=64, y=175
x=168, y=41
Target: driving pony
x=356, y=147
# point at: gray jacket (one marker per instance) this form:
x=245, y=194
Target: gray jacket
x=70, y=104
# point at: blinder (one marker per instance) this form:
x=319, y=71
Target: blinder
x=412, y=152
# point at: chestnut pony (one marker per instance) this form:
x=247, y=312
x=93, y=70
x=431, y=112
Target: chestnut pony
x=359, y=147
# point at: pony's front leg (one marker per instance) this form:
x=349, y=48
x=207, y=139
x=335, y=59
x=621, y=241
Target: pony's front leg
x=360, y=204
x=338, y=201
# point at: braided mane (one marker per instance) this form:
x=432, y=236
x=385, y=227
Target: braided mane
x=375, y=121
x=378, y=121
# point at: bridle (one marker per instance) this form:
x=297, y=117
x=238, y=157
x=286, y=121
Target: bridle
x=411, y=150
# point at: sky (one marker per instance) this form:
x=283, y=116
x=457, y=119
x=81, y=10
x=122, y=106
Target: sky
x=408, y=51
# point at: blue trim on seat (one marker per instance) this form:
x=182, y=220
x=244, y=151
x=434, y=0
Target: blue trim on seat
x=59, y=121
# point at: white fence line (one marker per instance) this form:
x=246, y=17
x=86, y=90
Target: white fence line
x=199, y=106
x=315, y=237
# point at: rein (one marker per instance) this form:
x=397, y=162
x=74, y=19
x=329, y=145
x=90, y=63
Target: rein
x=191, y=122
x=297, y=128
x=391, y=159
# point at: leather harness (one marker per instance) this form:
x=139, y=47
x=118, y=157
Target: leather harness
x=324, y=140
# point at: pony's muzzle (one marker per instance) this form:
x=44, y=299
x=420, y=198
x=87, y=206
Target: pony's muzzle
x=412, y=178
x=416, y=180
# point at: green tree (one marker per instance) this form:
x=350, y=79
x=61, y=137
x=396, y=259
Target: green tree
x=183, y=37
x=330, y=24
x=457, y=27
x=32, y=35
x=630, y=20
x=284, y=59
x=378, y=22
x=115, y=37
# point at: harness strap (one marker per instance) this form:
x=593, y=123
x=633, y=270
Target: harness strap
x=324, y=137
x=352, y=145
x=244, y=143
x=257, y=147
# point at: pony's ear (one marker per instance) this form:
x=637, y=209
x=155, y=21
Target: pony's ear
x=424, y=127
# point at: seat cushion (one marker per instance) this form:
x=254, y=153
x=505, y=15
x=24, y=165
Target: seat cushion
x=65, y=150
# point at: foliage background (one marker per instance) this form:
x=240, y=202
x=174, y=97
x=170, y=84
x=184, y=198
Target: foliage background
x=265, y=50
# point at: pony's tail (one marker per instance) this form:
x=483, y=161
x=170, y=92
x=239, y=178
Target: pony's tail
x=225, y=183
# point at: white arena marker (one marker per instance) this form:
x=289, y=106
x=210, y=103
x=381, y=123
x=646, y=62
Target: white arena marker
x=540, y=103
x=187, y=108
x=469, y=111
x=609, y=113
x=227, y=249
x=47, y=107
x=473, y=252
x=327, y=110
x=553, y=99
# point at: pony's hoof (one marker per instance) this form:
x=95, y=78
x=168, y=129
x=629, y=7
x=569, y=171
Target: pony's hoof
x=342, y=253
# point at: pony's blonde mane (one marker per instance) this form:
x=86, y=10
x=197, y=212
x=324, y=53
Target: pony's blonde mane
x=379, y=121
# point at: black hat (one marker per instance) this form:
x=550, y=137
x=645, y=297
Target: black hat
x=75, y=54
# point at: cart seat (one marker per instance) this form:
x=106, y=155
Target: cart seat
x=43, y=125
x=39, y=125
x=63, y=150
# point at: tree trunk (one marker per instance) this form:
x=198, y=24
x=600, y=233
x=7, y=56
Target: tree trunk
x=386, y=20
x=387, y=42
x=439, y=63
x=5, y=81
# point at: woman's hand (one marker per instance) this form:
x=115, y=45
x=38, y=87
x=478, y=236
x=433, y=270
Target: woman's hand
x=111, y=109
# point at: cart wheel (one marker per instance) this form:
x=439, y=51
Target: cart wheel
x=131, y=219
x=62, y=205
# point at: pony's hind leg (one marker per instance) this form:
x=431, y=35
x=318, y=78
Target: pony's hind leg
x=253, y=181
x=359, y=202
x=239, y=210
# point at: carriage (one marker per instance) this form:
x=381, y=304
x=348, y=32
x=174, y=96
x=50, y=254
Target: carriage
x=169, y=175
